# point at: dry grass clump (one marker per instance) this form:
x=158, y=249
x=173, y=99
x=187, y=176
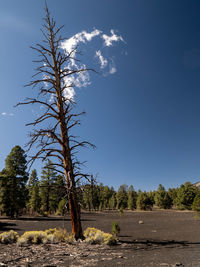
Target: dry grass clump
x=9, y=237
x=61, y=235
x=96, y=236
x=43, y=237
x=35, y=237
x=92, y=236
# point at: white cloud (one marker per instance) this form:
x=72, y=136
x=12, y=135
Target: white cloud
x=108, y=40
x=112, y=70
x=83, y=36
x=91, y=35
x=103, y=61
x=79, y=80
x=82, y=79
x=7, y=114
x=69, y=93
x=112, y=67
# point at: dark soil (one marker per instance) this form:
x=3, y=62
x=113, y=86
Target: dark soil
x=165, y=238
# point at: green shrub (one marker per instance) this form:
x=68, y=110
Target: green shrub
x=9, y=237
x=44, y=213
x=122, y=197
x=115, y=228
x=162, y=198
x=144, y=202
x=185, y=196
x=196, y=203
x=132, y=198
x=100, y=206
x=173, y=194
x=121, y=211
x=61, y=207
x=95, y=236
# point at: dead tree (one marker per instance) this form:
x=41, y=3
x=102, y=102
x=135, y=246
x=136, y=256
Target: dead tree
x=55, y=139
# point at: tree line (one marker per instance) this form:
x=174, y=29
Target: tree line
x=21, y=193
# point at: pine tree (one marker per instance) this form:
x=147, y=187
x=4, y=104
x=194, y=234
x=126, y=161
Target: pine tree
x=112, y=201
x=33, y=178
x=107, y=194
x=87, y=200
x=185, y=196
x=61, y=207
x=132, y=198
x=35, y=200
x=13, y=192
x=143, y=201
x=94, y=194
x=47, y=183
x=101, y=196
x=58, y=192
x=162, y=198
x=122, y=197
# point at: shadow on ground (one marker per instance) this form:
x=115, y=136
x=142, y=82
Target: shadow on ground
x=43, y=219
x=154, y=244
x=7, y=226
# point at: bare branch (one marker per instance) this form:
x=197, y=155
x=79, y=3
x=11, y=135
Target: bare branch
x=56, y=141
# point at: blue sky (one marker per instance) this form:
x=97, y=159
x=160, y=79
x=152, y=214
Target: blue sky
x=144, y=117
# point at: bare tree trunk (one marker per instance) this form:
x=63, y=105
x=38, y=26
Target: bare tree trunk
x=74, y=207
x=54, y=69
x=75, y=216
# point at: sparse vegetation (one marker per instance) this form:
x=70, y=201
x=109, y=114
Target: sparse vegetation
x=115, y=228
x=43, y=237
x=35, y=237
x=9, y=237
x=121, y=211
x=196, y=203
x=92, y=236
x=61, y=207
x=96, y=236
x=143, y=201
x=185, y=196
x=162, y=198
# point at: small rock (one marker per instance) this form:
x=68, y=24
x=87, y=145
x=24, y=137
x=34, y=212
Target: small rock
x=140, y=222
x=178, y=264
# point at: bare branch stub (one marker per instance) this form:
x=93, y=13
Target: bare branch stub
x=56, y=141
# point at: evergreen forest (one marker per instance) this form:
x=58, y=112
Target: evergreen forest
x=25, y=193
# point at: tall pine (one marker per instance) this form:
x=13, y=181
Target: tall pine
x=48, y=180
x=34, y=202
x=13, y=193
x=132, y=198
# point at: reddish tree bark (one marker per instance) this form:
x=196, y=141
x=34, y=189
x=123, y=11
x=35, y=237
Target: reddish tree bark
x=56, y=140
